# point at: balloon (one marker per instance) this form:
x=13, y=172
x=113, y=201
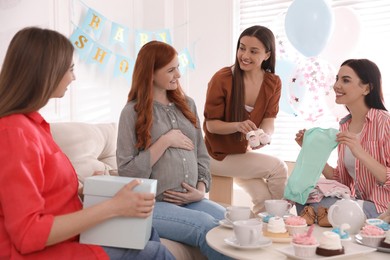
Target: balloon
x=310, y=80
x=345, y=36
x=284, y=49
x=284, y=69
x=308, y=25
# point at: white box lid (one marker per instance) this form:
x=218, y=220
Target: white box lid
x=107, y=185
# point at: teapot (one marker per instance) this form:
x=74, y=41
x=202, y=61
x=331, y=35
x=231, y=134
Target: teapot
x=347, y=211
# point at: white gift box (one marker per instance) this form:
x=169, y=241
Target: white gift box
x=120, y=231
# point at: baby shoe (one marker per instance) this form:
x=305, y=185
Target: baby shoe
x=309, y=215
x=322, y=217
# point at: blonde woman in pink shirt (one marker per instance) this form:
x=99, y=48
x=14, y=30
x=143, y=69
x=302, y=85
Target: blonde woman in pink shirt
x=364, y=140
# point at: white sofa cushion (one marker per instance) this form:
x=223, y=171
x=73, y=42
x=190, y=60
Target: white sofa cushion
x=90, y=147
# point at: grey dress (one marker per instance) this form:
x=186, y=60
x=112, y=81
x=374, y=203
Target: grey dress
x=176, y=165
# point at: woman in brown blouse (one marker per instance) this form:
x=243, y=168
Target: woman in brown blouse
x=240, y=99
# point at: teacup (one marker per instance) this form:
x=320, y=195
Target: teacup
x=247, y=232
x=234, y=213
x=277, y=207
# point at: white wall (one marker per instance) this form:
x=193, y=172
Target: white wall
x=204, y=27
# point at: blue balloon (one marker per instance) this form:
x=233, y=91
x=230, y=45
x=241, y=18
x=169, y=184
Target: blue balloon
x=284, y=69
x=308, y=25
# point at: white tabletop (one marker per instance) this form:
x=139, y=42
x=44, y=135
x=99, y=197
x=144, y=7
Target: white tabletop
x=215, y=239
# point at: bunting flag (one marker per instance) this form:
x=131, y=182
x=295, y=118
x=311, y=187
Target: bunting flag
x=124, y=67
x=163, y=36
x=94, y=23
x=185, y=61
x=119, y=35
x=99, y=55
x=142, y=37
x=82, y=43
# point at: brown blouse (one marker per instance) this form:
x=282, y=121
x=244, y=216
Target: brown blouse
x=218, y=101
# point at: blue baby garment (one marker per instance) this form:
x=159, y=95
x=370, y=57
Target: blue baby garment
x=318, y=143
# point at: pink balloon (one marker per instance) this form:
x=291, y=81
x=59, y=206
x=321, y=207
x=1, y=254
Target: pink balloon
x=345, y=36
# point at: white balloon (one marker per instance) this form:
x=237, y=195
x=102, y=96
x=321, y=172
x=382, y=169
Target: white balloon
x=345, y=37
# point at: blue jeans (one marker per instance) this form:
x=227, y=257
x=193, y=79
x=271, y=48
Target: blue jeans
x=189, y=223
x=153, y=250
x=369, y=208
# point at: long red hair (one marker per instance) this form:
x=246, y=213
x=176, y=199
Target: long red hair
x=153, y=56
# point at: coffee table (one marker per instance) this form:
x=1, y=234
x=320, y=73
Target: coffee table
x=215, y=238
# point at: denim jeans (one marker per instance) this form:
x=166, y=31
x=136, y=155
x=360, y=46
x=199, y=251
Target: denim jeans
x=189, y=224
x=153, y=250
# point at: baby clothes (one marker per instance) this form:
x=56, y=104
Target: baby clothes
x=317, y=145
x=327, y=188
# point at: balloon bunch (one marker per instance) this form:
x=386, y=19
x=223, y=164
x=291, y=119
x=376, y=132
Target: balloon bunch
x=323, y=37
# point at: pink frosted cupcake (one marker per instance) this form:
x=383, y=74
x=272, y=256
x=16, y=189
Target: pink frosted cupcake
x=295, y=225
x=305, y=244
x=372, y=235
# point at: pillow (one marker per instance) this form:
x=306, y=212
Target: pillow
x=90, y=147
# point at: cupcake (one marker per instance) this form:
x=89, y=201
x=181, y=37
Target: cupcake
x=295, y=225
x=305, y=244
x=343, y=233
x=265, y=220
x=372, y=235
x=379, y=223
x=276, y=228
x=330, y=244
x=386, y=243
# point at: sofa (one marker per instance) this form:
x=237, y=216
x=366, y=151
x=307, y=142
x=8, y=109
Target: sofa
x=92, y=147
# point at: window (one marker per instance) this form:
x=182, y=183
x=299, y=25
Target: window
x=374, y=21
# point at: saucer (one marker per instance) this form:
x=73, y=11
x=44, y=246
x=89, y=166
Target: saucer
x=280, y=239
x=358, y=239
x=351, y=250
x=226, y=223
x=266, y=214
x=263, y=242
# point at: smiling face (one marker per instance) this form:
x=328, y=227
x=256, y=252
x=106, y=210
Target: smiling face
x=251, y=53
x=64, y=83
x=349, y=89
x=167, y=77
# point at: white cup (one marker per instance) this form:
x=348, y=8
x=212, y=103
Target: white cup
x=277, y=207
x=247, y=232
x=234, y=213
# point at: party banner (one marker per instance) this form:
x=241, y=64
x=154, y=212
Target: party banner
x=93, y=49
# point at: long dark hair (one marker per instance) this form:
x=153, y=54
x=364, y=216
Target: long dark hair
x=369, y=73
x=35, y=63
x=264, y=35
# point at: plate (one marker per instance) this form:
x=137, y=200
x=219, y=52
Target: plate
x=358, y=239
x=265, y=214
x=263, y=242
x=351, y=249
x=280, y=239
x=226, y=223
